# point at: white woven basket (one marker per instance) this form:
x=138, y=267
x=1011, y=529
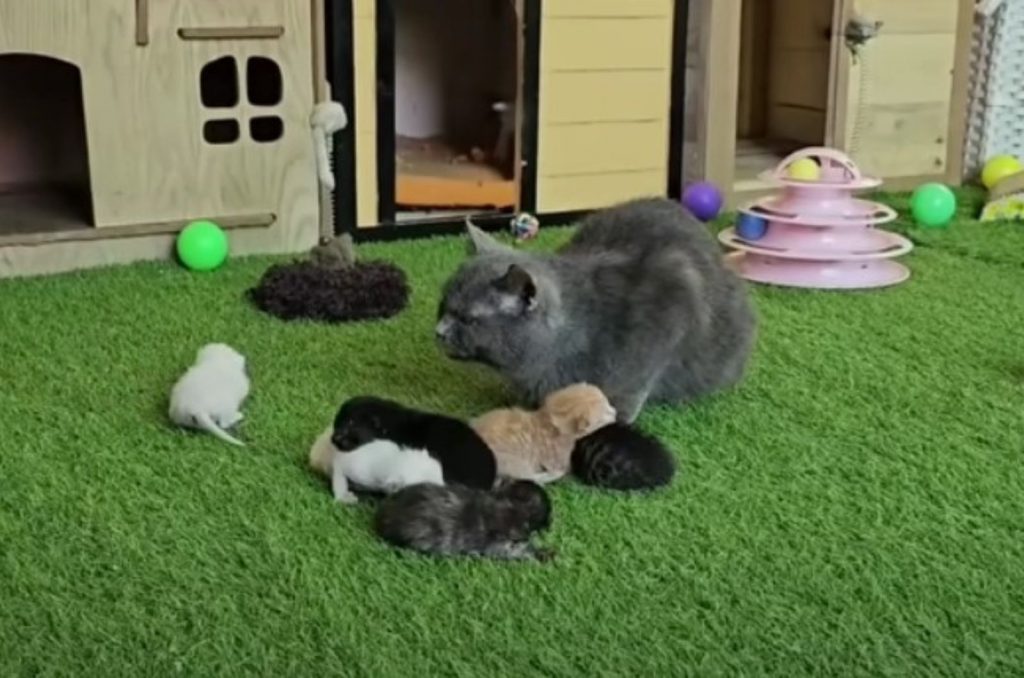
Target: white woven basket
x=995, y=118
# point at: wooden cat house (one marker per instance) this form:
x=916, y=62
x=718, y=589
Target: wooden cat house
x=491, y=107
x=883, y=80
x=122, y=120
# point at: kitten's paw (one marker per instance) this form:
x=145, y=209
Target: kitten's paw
x=347, y=498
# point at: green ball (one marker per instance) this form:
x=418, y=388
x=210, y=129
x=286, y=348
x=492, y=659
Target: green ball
x=202, y=246
x=933, y=205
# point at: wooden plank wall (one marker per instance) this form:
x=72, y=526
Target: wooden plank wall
x=799, y=69
x=899, y=94
x=605, y=86
x=364, y=35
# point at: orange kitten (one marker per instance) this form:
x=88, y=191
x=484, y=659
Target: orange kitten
x=538, y=445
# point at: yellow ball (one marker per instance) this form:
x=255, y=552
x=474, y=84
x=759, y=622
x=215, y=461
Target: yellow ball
x=805, y=169
x=998, y=168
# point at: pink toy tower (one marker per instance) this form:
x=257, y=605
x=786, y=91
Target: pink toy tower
x=815, y=234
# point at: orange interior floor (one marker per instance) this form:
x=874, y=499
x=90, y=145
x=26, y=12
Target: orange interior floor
x=431, y=174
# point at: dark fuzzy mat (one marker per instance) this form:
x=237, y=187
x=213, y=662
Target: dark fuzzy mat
x=303, y=290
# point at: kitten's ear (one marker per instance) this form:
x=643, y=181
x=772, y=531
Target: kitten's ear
x=482, y=243
x=520, y=288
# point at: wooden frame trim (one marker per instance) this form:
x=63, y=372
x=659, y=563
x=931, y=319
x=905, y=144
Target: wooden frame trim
x=959, y=100
x=719, y=49
x=529, y=121
x=387, y=178
x=142, y=22
x=248, y=221
x=232, y=33
x=677, y=99
x=321, y=93
x=341, y=75
x=839, y=76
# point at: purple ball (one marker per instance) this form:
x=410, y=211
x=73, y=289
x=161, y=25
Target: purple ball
x=703, y=199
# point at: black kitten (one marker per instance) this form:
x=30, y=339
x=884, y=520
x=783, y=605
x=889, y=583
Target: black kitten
x=619, y=457
x=454, y=520
x=464, y=457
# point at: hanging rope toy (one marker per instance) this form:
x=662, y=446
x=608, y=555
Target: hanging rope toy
x=327, y=118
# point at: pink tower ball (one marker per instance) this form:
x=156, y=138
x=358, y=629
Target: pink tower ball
x=703, y=199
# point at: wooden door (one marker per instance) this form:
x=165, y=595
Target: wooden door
x=895, y=101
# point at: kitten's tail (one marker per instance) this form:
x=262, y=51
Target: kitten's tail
x=204, y=422
x=601, y=462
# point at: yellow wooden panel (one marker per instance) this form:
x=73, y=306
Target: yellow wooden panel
x=903, y=140
x=364, y=34
x=903, y=160
x=600, y=96
x=882, y=126
x=606, y=44
x=366, y=179
x=602, y=147
x=606, y=8
x=911, y=16
x=365, y=65
x=907, y=69
x=590, y=191
x=362, y=9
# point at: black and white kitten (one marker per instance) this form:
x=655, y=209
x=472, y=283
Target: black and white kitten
x=453, y=520
x=464, y=457
x=619, y=457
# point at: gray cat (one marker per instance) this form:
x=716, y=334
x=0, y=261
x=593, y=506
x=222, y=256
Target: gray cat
x=638, y=303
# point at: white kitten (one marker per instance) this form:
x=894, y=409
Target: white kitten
x=380, y=465
x=210, y=394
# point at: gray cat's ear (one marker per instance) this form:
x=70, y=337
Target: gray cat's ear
x=481, y=242
x=519, y=289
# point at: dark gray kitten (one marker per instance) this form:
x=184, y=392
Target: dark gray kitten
x=639, y=303
x=451, y=520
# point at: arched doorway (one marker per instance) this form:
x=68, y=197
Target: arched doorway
x=44, y=162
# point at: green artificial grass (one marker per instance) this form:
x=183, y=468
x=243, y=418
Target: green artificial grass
x=856, y=507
